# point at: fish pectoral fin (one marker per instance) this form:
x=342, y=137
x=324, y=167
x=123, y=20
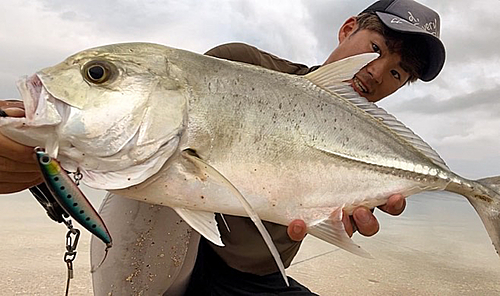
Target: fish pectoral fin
x=332, y=230
x=203, y=222
x=214, y=175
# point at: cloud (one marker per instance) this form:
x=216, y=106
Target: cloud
x=326, y=17
x=455, y=112
x=469, y=29
x=194, y=25
x=484, y=100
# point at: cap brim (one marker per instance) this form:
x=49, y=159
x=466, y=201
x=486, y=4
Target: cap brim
x=436, y=48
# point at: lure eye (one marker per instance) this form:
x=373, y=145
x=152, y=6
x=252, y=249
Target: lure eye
x=45, y=159
x=97, y=72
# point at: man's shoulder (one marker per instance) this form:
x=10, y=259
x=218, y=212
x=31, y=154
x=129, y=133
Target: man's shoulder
x=237, y=51
x=241, y=52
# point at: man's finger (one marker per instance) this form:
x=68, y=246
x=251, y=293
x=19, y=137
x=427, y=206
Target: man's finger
x=349, y=225
x=11, y=112
x=365, y=221
x=16, y=187
x=395, y=205
x=11, y=177
x=9, y=166
x=15, y=151
x=11, y=103
x=11, y=108
x=297, y=230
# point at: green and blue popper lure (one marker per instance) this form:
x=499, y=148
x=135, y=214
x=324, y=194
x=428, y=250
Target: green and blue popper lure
x=70, y=197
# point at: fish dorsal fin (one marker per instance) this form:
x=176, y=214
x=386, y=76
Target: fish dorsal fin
x=332, y=77
x=203, y=222
x=337, y=72
x=398, y=127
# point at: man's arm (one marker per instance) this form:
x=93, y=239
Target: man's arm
x=18, y=168
x=245, y=53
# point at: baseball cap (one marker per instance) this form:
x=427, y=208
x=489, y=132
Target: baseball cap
x=408, y=16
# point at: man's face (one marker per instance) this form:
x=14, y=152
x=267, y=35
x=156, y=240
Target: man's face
x=381, y=77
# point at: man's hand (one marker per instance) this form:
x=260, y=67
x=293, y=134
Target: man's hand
x=362, y=219
x=18, y=168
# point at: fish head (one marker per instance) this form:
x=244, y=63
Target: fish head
x=114, y=109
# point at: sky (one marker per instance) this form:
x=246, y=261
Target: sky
x=457, y=113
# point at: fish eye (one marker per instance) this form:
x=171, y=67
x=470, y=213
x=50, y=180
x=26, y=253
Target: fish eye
x=97, y=72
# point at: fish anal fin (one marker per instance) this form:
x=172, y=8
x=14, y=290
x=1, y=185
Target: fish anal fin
x=203, y=222
x=332, y=231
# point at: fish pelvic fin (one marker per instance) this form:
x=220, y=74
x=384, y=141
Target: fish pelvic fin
x=332, y=230
x=203, y=222
x=218, y=177
x=484, y=196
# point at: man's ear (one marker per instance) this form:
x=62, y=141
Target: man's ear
x=349, y=27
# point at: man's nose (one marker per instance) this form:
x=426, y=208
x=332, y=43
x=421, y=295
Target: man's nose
x=376, y=69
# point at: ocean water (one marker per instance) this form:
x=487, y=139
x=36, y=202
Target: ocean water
x=438, y=246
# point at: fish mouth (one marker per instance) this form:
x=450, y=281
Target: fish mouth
x=43, y=114
x=41, y=108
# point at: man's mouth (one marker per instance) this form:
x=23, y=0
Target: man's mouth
x=359, y=86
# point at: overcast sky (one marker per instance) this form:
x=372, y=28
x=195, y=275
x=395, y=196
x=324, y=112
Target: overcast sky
x=457, y=113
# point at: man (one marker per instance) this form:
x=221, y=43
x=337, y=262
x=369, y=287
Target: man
x=407, y=53
x=392, y=28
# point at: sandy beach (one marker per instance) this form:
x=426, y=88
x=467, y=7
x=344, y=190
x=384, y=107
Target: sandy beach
x=437, y=247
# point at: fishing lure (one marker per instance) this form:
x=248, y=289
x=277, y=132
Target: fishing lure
x=71, y=198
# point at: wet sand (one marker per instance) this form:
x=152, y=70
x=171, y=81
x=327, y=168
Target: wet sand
x=32, y=251
x=437, y=247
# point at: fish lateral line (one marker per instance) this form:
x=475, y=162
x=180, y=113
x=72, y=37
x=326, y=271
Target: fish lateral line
x=416, y=171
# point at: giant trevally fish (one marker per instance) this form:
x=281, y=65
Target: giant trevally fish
x=204, y=135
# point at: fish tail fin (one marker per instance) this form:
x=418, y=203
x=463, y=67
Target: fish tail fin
x=484, y=195
x=332, y=230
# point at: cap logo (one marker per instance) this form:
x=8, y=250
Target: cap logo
x=429, y=26
x=396, y=20
x=411, y=18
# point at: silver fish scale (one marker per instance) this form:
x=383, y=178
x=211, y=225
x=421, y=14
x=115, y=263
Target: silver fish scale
x=245, y=122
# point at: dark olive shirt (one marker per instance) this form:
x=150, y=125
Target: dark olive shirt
x=244, y=249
